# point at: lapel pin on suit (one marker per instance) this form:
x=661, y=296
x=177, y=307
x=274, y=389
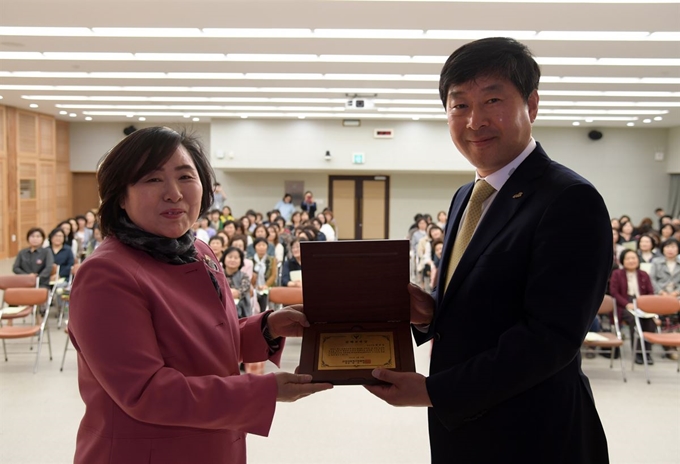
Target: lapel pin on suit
x=518, y=195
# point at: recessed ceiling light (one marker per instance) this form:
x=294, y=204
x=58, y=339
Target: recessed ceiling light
x=589, y=120
x=658, y=118
x=243, y=116
x=186, y=116
x=301, y=117
x=142, y=118
x=646, y=121
x=129, y=115
x=72, y=115
x=415, y=118
x=88, y=118
x=33, y=105
x=575, y=123
x=196, y=119
x=630, y=124
x=63, y=112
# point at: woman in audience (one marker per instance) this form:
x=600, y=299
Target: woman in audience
x=264, y=271
x=623, y=219
x=615, y=224
x=61, y=252
x=667, y=231
x=245, y=224
x=216, y=221
x=97, y=240
x=226, y=214
x=70, y=238
x=205, y=225
x=82, y=234
x=273, y=239
x=627, y=232
x=225, y=239
x=229, y=228
x=294, y=263
x=35, y=259
x=618, y=248
x=90, y=219
x=646, y=248
x=441, y=219
x=424, y=253
x=216, y=244
x=238, y=282
x=304, y=217
x=330, y=220
x=419, y=234
x=260, y=232
x=665, y=272
x=308, y=204
x=316, y=224
x=295, y=220
x=155, y=328
x=326, y=228
x=437, y=249
x=239, y=241
x=625, y=285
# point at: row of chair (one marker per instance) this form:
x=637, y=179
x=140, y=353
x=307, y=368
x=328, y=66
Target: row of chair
x=643, y=306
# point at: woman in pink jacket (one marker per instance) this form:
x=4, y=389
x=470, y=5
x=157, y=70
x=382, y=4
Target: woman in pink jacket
x=155, y=327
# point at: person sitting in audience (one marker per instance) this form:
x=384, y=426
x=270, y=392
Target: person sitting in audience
x=419, y=233
x=61, y=252
x=308, y=205
x=645, y=226
x=326, y=228
x=225, y=239
x=199, y=233
x=304, y=217
x=260, y=232
x=34, y=259
x=441, y=219
x=238, y=282
x=618, y=248
x=625, y=285
x=82, y=233
x=286, y=207
x=424, y=253
x=646, y=248
x=216, y=244
x=295, y=220
x=665, y=272
x=239, y=241
x=273, y=239
x=437, y=249
x=627, y=232
x=229, y=228
x=623, y=219
x=216, y=221
x=70, y=238
x=97, y=240
x=226, y=214
x=615, y=224
x=330, y=220
x=294, y=263
x=667, y=231
x=316, y=224
x=264, y=271
x=205, y=225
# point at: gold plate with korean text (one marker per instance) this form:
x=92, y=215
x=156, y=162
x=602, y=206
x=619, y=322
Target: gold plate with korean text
x=352, y=350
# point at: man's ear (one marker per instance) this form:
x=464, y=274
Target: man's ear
x=532, y=105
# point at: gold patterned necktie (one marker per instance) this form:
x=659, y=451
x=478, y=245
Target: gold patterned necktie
x=481, y=191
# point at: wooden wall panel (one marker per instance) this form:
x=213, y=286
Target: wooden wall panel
x=47, y=198
x=27, y=134
x=47, y=148
x=85, y=192
x=4, y=213
x=62, y=142
x=28, y=212
x=3, y=132
x=28, y=169
x=63, y=191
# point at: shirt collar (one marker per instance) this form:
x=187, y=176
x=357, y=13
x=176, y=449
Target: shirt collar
x=498, y=178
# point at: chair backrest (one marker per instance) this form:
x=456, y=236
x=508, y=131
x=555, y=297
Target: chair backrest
x=18, y=281
x=607, y=305
x=55, y=272
x=25, y=296
x=285, y=295
x=657, y=304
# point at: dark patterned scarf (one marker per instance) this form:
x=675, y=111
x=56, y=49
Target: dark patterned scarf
x=166, y=250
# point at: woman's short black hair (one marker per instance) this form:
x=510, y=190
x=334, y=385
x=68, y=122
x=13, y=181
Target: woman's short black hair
x=56, y=231
x=33, y=230
x=217, y=238
x=69, y=237
x=650, y=237
x=240, y=254
x=259, y=240
x=670, y=241
x=668, y=225
x=501, y=57
x=623, y=254
x=137, y=155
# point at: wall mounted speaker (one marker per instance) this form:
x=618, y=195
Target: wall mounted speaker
x=594, y=135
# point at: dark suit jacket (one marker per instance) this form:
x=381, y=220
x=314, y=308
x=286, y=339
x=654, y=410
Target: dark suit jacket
x=505, y=376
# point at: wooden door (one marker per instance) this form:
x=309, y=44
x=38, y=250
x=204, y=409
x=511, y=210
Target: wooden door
x=360, y=206
x=85, y=192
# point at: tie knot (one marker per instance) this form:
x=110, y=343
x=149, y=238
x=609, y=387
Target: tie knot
x=481, y=191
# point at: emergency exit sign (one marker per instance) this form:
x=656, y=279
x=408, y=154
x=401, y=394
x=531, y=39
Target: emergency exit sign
x=358, y=158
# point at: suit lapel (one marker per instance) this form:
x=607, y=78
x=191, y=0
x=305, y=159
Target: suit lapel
x=515, y=192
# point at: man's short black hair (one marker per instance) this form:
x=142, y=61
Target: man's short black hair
x=501, y=57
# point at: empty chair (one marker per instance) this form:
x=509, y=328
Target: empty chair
x=33, y=297
x=662, y=306
x=16, y=281
x=611, y=340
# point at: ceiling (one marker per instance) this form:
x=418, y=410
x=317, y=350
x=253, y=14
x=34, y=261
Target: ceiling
x=604, y=63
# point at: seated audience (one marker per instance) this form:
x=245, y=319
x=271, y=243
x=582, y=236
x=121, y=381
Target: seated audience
x=667, y=231
x=627, y=232
x=665, y=272
x=625, y=285
x=35, y=259
x=238, y=281
x=264, y=271
x=239, y=241
x=226, y=214
x=216, y=221
x=295, y=220
x=441, y=219
x=216, y=244
x=97, y=240
x=325, y=228
x=294, y=263
x=260, y=232
x=646, y=248
x=205, y=225
x=61, y=252
x=273, y=239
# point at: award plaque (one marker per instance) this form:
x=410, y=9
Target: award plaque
x=358, y=306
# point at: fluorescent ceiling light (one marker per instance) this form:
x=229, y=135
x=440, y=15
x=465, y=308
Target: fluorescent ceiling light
x=578, y=118
x=619, y=112
x=146, y=32
x=608, y=93
x=257, y=33
x=592, y=35
x=618, y=104
x=477, y=34
x=180, y=56
x=194, y=108
x=369, y=33
x=85, y=56
x=46, y=31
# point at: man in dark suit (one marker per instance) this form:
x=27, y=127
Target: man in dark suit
x=517, y=291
